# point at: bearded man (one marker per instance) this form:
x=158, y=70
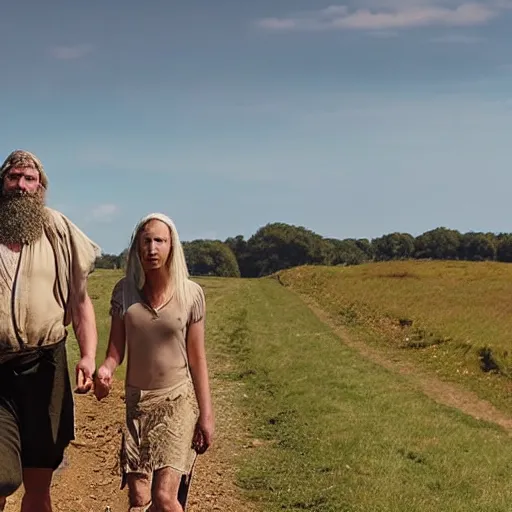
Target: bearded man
x=45, y=261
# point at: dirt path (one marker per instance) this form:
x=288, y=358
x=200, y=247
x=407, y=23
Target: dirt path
x=445, y=393
x=88, y=478
x=89, y=481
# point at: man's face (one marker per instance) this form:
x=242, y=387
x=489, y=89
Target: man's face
x=22, y=179
x=154, y=245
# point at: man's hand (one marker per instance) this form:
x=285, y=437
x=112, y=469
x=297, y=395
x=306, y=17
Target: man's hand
x=203, y=435
x=84, y=374
x=103, y=382
x=84, y=325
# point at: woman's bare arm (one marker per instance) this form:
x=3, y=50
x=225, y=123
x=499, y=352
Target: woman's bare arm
x=114, y=357
x=116, y=344
x=199, y=369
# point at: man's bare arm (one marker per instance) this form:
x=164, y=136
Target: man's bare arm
x=199, y=369
x=84, y=325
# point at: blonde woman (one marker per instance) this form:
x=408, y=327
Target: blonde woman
x=157, y=314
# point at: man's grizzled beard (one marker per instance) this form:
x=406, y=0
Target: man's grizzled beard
x=22, y=217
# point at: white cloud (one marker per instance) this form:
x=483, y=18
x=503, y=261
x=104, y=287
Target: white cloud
x=104, y=213
x=457, y=39
x=503, y=4
x=278, y=24
x=384, y=34
x=201, y=235
x=70, y=52
x=393, y=16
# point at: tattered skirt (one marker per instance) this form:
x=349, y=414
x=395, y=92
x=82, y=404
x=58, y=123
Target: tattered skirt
x=160, y=426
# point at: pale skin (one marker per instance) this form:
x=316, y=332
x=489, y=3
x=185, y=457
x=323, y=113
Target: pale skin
x=155, y=246
x=37, y=481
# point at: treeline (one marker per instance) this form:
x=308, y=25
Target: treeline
x=112, y=261
x=278, y=246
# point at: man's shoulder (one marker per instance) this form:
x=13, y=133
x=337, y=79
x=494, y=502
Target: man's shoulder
x=53, y=212
x=60, y=221
x=66, y=229
x=56, y=219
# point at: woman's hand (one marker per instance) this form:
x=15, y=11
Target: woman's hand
x=203, y=435
x=102, y=382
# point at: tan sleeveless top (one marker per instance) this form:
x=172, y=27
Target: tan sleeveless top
x=156, y=339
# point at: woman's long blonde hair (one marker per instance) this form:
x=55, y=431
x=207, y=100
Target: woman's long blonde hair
x=176, y=263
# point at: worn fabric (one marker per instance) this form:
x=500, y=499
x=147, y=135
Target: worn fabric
x=8, y=263
x=36, y=414
x=159, y=429
x=156, y=338
x=34, y=301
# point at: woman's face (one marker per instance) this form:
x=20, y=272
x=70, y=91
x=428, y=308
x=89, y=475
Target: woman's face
x=154, y=245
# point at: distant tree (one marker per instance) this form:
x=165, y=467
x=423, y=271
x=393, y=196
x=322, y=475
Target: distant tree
x=346, y=252
x=395, y=246
x=210, y=258
x=477, y=247
x=504, y=249
x=366, y=246
x=237, y=244
x=239, y=247
x=123, y=259
x=440, y=244
x=107, y=261
x=278, y=246
x=492, y=237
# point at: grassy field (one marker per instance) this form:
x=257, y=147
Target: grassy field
x=330, y=430
x=337, y=432
x=453, y=317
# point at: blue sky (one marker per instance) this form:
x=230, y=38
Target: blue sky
x=354, y=118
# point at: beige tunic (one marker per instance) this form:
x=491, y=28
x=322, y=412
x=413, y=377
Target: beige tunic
x=156, y=339
x=161, y=406
x=36, y=285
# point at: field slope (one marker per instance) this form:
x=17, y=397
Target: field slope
x=452, y=318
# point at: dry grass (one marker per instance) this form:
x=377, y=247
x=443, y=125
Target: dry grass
x=455, y=316
x=338, y=431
